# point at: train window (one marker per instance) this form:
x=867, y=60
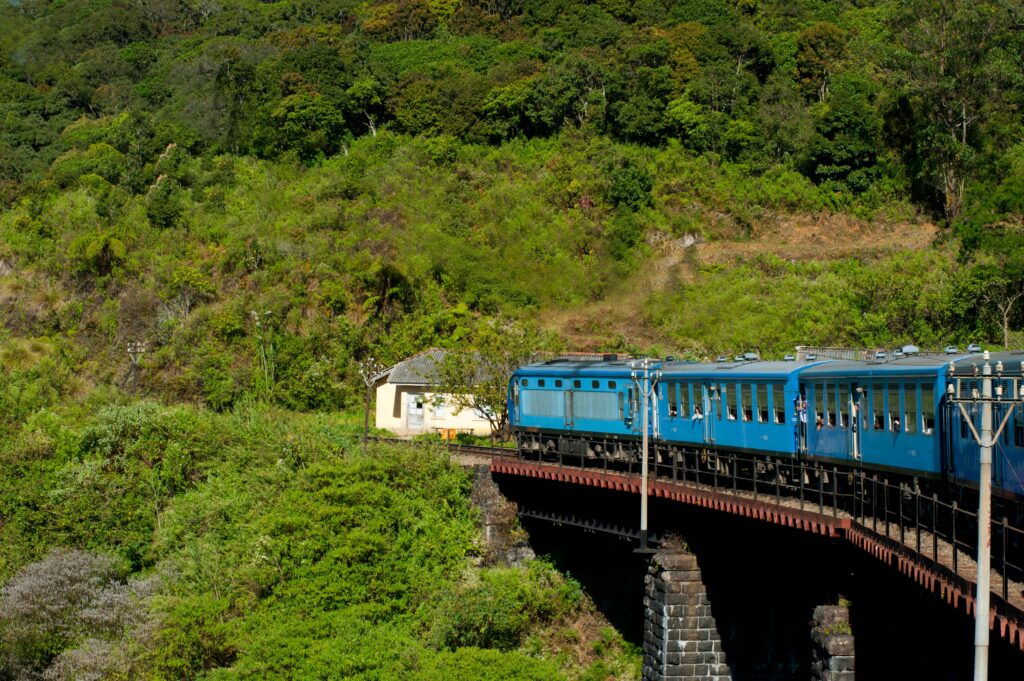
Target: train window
x=730, y=402
x=762, y=403
x=577, y=384
x=525, y=383
x=910, y=406
x=748, y=402
x=673, y=399
x=1018, y=428
x=622, y=412
x=844, y=405
x=894, y=408
x=927, y=409
x=611, y=385
x=779, y=402
x=718, y=402
x=684, y=400
x=558, y=383
x=828, y=407
x=595, y=384
x=878, y=405
x=540, y=383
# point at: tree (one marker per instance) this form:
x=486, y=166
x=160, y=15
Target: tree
x=952, y=68
x=477, y=378
x=820, y=49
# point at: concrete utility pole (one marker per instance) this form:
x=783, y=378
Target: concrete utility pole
x=135, y=351
x=987, y=398
x=645, y=375
x=369, y=368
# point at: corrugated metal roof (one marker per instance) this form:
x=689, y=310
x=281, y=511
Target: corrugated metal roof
x=421, y=369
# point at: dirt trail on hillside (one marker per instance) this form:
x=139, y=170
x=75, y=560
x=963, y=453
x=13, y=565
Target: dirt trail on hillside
x=825, y=236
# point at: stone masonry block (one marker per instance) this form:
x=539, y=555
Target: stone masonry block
x=839, y=645
x=674, y=561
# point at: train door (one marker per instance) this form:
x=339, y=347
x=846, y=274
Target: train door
x=709, y=399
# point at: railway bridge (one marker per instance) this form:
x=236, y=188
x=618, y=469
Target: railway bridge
x=887, y=529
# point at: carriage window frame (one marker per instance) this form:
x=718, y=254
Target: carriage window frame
x=828, y=409
x=746, y=402
x=778, y=398
x=763, y=406
x=893, y=410
x=671, y=387
x=596, y=385
x=684, y=399
x=878, y=413
x=927, y=409
x=911, y=415
x=731, y=402
x=843, y=400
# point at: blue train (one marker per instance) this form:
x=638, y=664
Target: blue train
x=889, y=415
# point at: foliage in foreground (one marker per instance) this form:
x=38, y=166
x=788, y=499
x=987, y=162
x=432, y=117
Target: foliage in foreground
x=259, y=544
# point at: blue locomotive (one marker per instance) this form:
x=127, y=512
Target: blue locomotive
x=888, y=415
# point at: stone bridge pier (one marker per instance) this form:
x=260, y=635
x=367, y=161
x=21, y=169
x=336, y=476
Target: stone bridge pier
x=681, y=639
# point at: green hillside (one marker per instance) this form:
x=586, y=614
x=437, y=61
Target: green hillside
x=266, y=193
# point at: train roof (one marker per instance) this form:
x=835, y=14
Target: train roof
x=910, y=365
x=576, y=367
x=1011, y=359
x=736, y=369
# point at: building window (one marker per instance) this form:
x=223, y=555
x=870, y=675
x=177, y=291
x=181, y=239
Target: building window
x=440, y=409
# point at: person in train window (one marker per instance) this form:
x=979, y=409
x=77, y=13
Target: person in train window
x=819, y=423
x=896, y=424
x=696, y=414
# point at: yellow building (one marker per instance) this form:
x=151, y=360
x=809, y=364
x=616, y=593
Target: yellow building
x=407, y=404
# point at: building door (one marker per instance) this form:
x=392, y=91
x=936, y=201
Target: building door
x=414, y=414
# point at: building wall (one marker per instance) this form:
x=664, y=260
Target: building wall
x=392, y=413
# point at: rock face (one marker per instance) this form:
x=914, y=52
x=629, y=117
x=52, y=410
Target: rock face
x=681, y=640
x=505, y=541
x=832, y=651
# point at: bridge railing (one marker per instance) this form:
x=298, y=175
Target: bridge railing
x=944, y=532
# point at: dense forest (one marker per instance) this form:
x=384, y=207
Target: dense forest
x=266, y=193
